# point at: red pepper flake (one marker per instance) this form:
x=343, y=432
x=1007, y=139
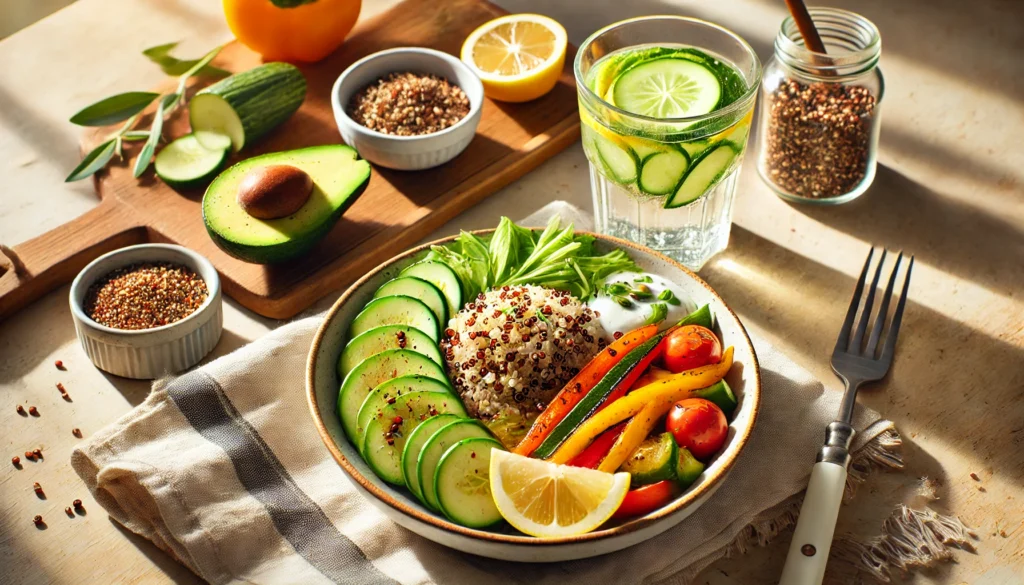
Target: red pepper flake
x=77, y=504
x=30, y=456
x=60, y=365
x=33, y=411
x=69, y=512
x=38, y=489
x=975, y=477
x=38, y=521
x=38, y=453
x=61, y=387
x=16, y=461
x=20, y=410
x=77, y=432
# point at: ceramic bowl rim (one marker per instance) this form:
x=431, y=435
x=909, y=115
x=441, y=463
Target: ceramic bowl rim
x=207, y=272
x=475, y=105
x=708, y=486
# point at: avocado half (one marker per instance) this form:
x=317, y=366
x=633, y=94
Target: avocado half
x=339, y=178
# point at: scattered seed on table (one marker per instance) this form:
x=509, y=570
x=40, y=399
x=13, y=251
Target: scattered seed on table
x=143, y=296
x=77, y=504
x=975, y=477
x=60, y=365
x=20, y=410
x=16, y=461
x=69, y=512
x=409, y=104
x=33, y=411
x=38, y=489
x=77, y=432
x=61, y=388
x=38, y=520
x=38, y=453
x=30, y=456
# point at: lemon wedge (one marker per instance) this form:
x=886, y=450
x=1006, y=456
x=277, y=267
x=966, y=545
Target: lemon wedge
x=548, y=500
x=518, y=57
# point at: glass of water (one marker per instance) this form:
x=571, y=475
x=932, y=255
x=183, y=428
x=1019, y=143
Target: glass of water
x=666, y=104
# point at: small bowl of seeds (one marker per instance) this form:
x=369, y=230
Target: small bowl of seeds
x=147, y=311
x=408, y=108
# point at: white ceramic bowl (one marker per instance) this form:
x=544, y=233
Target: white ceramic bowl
x=504, y=543
x=407, y=153
x=156, y=352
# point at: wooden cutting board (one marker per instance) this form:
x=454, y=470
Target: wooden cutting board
x=398, y=208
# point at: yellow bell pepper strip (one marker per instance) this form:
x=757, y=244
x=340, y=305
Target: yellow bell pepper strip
x=635, y=432
x=669, y=390
x=652, y=375
x=292, y=30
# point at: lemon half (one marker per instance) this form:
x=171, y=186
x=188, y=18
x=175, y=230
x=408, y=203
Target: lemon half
x=518, y=57
x=549, y=500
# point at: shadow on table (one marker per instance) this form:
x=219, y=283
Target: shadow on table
x=946, y=373
x=950, y=235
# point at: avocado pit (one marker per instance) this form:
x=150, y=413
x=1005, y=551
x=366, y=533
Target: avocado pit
x=274, y=191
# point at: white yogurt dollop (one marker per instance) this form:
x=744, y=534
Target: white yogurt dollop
x=618, y=319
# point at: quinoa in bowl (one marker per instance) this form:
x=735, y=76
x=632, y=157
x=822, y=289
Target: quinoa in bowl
x=510, y=350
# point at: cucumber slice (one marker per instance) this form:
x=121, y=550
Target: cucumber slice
x=383, y=338
x=239, y=109
x=643, y=148
x=721, y=394
x=434, y=449
x=653, y=461
x=618, y=160
x=701, y=316
x=414, y=446
x=185, y=163
x=694, y=148
x=463, y=483
x=687, y=468
x=396, y=310
x=417, y=288
x=661, y=172
x=704, y=173
x=372, y=372
x=387, y=393
x=668, y=88
x=386, y=434
x=441, y=276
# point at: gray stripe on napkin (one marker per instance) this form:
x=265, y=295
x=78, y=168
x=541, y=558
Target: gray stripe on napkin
x=297, y=517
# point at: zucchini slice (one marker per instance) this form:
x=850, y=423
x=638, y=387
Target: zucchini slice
x=185, y=163
x=383, y=338
x=396, y=310
x=462, y=483
x=704, y=174
x=388, y=393
x=414, y=446
x=386, y=434
x=240, y=109
x=417, y=288
x=372, y=372
x=441, y=276
x=688, y=469
x=653, y=461
x=661, y=172
x=435, y=448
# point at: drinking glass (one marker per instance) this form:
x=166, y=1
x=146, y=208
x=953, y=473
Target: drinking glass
x=688, y=220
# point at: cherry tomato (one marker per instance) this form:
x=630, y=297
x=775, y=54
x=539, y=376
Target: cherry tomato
x=699, y=425
x=646, y=499
x=691, y=346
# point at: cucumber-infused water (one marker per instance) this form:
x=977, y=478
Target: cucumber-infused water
x=665, y=126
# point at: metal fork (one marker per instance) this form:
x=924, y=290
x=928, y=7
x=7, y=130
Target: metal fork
x=856, y=363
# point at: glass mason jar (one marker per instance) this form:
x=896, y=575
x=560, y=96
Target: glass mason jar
x=665, y=180
x=821, y=114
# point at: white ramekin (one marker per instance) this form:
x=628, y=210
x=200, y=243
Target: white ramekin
x=407, y=153
x=149, y=353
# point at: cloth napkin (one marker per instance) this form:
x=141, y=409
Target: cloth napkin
x=223, y=469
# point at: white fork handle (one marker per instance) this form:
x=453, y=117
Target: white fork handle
x=808, y=553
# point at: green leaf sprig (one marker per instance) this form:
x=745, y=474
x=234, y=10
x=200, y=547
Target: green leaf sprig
x=128, y=107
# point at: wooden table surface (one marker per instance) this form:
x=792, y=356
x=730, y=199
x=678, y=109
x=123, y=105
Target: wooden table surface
x=950, y=189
